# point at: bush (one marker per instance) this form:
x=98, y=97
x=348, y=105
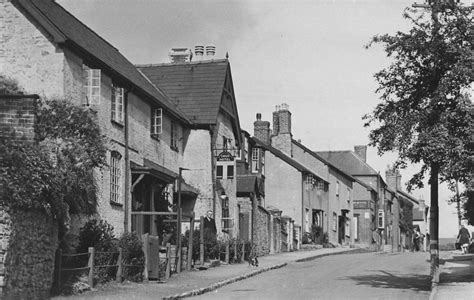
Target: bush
x=132, y=254
x=100, y=235
x=9, y=86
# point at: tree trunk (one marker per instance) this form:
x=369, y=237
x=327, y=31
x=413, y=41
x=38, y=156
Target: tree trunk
x=434, y=222
x=29, y=263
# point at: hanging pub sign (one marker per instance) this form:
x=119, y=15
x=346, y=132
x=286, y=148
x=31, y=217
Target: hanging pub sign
x=225, y=156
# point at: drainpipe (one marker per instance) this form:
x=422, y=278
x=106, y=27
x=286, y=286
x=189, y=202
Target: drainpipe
x=212, y=130
x=127, y=168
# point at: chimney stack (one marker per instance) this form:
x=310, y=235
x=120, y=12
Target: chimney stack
x=393, y=178
x=199, y=52
x=210, y=51
x=261, y=129
x=281, y=136
x=361, y=151
x=180, y=55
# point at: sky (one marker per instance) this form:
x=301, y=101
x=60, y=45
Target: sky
x=308, y=54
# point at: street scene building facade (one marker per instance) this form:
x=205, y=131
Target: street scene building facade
x=179, y=121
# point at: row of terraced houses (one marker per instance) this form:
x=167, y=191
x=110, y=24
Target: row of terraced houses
x=181, y=118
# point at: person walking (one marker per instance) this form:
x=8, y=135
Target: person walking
x=463, y=238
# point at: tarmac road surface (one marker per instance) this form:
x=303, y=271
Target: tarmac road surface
x=345, y=276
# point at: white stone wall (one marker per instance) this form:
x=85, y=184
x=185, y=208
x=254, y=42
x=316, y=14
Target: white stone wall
x=283, y=187
x=27, y=55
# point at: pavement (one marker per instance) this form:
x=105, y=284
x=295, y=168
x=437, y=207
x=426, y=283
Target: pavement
x=456, y=277
x=195, y=282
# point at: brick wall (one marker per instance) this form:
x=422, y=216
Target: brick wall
x=17, y=113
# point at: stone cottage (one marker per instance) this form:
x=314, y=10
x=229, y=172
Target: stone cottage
x=203, y=90
x=53, y=54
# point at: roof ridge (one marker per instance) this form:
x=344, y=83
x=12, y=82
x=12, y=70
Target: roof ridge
x=65, y=10
x=172, y=64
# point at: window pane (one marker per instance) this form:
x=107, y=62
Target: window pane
x=219, y=172
x=230, y=171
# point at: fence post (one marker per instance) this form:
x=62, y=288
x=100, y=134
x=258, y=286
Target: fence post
x=168, y=260
x=119, y=263
x=60, y=262
x=201, y=238
x=242, y=258
x=227, y=254
x=90, y=264
x=190, y=246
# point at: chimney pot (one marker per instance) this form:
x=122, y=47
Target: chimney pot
x=277, y=107
x=285, y=106
x=259, y=116
x=210, y=51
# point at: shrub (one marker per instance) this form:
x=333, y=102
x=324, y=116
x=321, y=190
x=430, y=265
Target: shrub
x=100, y=235
x=9, y=86
x=132, y=255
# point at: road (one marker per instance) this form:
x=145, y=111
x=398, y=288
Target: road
x=346, y=276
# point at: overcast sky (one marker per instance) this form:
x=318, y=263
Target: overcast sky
x=308, y=54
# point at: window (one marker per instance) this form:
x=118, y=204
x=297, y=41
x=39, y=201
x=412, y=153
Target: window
x=157, y=121
x=262, y=163
x=334, y=221
x=220, y=172
x=91, y=86
x=255, y=157
x=230, y=172
x=115, y=178
x=381, y=219
x=320, y=184
x=174, y=136
x=337, y=188
x=226, y=143
x=309, y=181
x=117, y=104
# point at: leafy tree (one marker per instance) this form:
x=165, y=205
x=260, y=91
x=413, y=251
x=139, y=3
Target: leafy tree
x=426, y=114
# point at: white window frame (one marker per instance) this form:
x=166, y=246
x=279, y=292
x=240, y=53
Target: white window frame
x=220, y=167
x=230, y=176
x=157, y=121
x=255, y=160
x=92, y=86
x=262, y=162
x=320, y=185
x=116, y=178
x=118, y=107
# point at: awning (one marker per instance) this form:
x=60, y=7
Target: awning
x=187, y=189
x=155, y=170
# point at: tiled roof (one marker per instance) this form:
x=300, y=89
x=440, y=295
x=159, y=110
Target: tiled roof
x=348, y=161
x=196, y=87
x=285, y=158
x=68, y=31
x=408, y=196
x=325, y=161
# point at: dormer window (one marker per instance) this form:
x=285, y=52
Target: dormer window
x=156, y=121
x=92, y=78
x=310, y=180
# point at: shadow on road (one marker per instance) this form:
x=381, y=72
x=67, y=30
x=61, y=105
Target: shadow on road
x=383, y=279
